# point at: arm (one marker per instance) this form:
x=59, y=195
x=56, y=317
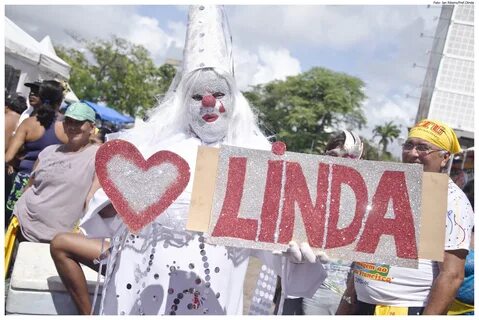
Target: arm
x=95, y=185
x=108, y=211
x=349, y=301
x=16, y=142
x=31, y=181
x=444, y=287
x=10, y=125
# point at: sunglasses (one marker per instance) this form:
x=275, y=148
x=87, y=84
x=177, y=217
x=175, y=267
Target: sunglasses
x=420, y=148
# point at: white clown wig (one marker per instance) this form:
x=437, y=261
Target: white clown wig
x=169, y=122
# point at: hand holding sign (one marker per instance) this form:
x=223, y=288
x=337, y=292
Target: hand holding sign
x=139, y=189
x=303, y=253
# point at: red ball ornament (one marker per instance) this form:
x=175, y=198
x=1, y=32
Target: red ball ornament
x=278, y=148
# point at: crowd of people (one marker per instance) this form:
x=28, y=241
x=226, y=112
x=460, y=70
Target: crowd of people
x=49, y=162
x=56, y=198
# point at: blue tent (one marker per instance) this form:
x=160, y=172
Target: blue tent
x=106, y=113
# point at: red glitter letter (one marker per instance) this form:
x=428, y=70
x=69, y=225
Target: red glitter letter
x=296, y=191
x=272, y=194
x=229, y=225
x=392, y=186
x=342, y=237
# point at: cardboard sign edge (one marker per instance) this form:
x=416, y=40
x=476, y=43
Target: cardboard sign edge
x=433, y=216
x=204, y=182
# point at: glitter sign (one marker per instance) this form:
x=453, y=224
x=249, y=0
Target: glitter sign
x=139, y=189
x=352, y=209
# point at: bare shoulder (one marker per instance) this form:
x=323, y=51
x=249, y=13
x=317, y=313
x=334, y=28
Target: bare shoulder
x=11, y=118
x=28, y=121
x=27, y=124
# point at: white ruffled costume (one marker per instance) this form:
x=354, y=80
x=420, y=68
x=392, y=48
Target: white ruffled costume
x=166, y=269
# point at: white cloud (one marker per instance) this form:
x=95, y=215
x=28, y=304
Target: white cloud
x=147, y=32
x=385, y=41
x=178, y=31
x=88, y=22
x=264, y=66
x=245, y=65
x=98, y=22
x=275, y=65
x=339, y=27
x=397, y=108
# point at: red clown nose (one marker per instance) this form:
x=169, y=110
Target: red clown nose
x=208, y=101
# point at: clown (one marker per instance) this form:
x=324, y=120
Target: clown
x=166, y=269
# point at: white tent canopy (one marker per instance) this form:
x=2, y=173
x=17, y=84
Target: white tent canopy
x=36, y=60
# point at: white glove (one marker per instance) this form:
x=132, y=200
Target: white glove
x=304, y=253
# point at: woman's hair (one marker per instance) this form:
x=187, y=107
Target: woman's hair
x=16, y=103
x=51, y=95
x=336, y=140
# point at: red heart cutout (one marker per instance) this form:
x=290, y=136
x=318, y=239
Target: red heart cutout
x=140, y=190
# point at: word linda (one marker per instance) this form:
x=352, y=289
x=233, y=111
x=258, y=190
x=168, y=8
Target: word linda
x=392, y=187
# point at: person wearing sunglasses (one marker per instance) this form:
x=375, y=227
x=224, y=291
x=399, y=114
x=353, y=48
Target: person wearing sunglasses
x=430, y=288
x=34, y=96
x=34, y=101
x=416, y=150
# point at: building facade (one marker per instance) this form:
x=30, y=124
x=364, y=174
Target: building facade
x=448, y=88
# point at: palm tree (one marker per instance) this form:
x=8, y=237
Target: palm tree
x=386, y=133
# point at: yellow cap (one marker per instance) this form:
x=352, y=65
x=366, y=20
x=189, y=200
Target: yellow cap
x=437, y=133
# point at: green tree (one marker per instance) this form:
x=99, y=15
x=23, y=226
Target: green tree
x=300, y=108
x=370, y=152
x=386, y=133
x=118, y=72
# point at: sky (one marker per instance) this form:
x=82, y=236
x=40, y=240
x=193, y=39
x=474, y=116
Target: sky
x=376, y=43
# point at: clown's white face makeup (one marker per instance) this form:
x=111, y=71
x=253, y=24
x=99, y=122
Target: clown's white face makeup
x=209, y=104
